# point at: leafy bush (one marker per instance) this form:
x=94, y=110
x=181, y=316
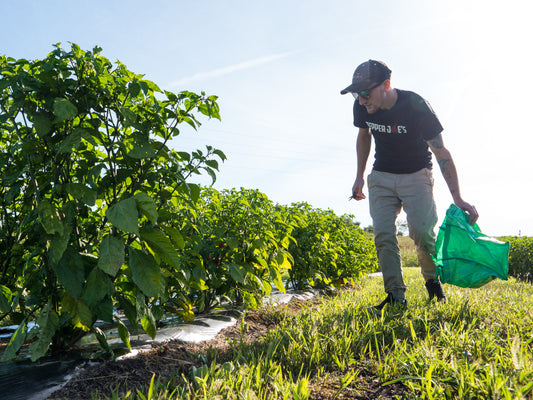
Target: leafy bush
x=327, y=249
x=86, y=180
x=98, y=213
x=521, y=257
x=236, y=247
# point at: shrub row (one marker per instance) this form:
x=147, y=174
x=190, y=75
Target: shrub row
x=97, y=212
x=239, y=244
x=520, y=257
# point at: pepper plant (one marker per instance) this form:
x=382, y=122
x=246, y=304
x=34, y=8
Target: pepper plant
x=237, y=247
x=327, y=249
x=88, y=181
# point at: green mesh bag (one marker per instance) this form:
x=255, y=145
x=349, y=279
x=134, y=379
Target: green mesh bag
x=465, y=256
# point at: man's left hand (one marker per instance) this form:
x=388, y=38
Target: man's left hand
x=469, y=209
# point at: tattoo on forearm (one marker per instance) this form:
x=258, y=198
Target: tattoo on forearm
x=449, y=173
x=443, y=168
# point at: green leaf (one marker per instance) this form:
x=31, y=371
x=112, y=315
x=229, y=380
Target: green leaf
x=130, y=309
x=100, y=335
x=198, y=283
x=14, y=191
x=151, y=85
x=148, y=324
x=49, y=218
x=81, y=193
x=31, y=147
x=233, y=243
x=236, y=273
x=5, y=298
x=104, y=310
x=134, y=89
x=93, y=136
x=71, y=142
x=184, y=155
x=64, y=109
x=93, y=176
x=146, y=274
x=140, y=305
x=139, y=148
x=212, y=174
x=259, y=244
x=124, y=215
x=262, y=262
x=220, y=154
x=212, y=163
x=4, y=83
x=111, y=255
x=98, y=286
x=175, y=235
x=147, y=206
x=58, y=244
x=85, y=316
x=146, y=316
x=194, y=191
x=171, y=96
x=144, y=86
x=161, y=245
x=279, y=283
x=80, y=313
x=70, y=272
x=42, y=124
x=283, y=261
x=15, y=343
x=123, y=332
x=48, y=323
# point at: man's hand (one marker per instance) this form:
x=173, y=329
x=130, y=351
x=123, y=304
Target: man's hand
x=357, y=189
x=469, y=209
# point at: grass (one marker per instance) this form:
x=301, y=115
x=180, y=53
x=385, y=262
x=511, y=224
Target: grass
x=478, y=346
x=408, y=250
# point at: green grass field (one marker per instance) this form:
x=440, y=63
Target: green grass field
x=408, y=250
x=478, y=346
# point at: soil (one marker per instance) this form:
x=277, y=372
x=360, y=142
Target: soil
x=165, y=359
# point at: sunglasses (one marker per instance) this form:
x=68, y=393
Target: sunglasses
x=365, y=94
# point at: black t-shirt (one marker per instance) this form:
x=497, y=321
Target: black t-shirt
x=400, y=134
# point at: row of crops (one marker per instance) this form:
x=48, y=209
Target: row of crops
x=98, y=212
x=232, y=246
x=520, y=257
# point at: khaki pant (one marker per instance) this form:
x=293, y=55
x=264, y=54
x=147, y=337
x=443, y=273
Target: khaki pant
x=388, y=193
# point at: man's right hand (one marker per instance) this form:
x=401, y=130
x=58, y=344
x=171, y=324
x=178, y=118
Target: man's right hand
x=357, y=189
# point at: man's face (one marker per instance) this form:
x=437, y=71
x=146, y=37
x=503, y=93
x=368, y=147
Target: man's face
x=372, y=98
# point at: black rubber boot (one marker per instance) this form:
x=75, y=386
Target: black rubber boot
x=435, y=289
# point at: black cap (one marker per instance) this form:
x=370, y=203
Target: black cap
x=366, y=74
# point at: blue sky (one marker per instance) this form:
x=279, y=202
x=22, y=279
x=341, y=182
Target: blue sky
x=278, y=67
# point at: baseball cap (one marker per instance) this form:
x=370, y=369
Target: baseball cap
x=366, y=74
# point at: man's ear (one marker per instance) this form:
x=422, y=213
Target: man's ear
x=387, y=84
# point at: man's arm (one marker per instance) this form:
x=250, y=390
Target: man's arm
x=449, y=172
x=364, y=143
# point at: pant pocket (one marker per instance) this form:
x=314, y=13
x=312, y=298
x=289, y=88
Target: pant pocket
x=370, y=179
x=429, y=176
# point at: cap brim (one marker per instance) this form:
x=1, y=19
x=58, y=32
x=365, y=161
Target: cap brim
x=354, y=88
x=349, y=89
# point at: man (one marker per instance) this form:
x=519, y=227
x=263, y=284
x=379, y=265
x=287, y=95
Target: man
x=404, y=128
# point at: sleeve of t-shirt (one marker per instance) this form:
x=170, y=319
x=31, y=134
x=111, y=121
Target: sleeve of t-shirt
x=359, y=115
x=430, y=125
